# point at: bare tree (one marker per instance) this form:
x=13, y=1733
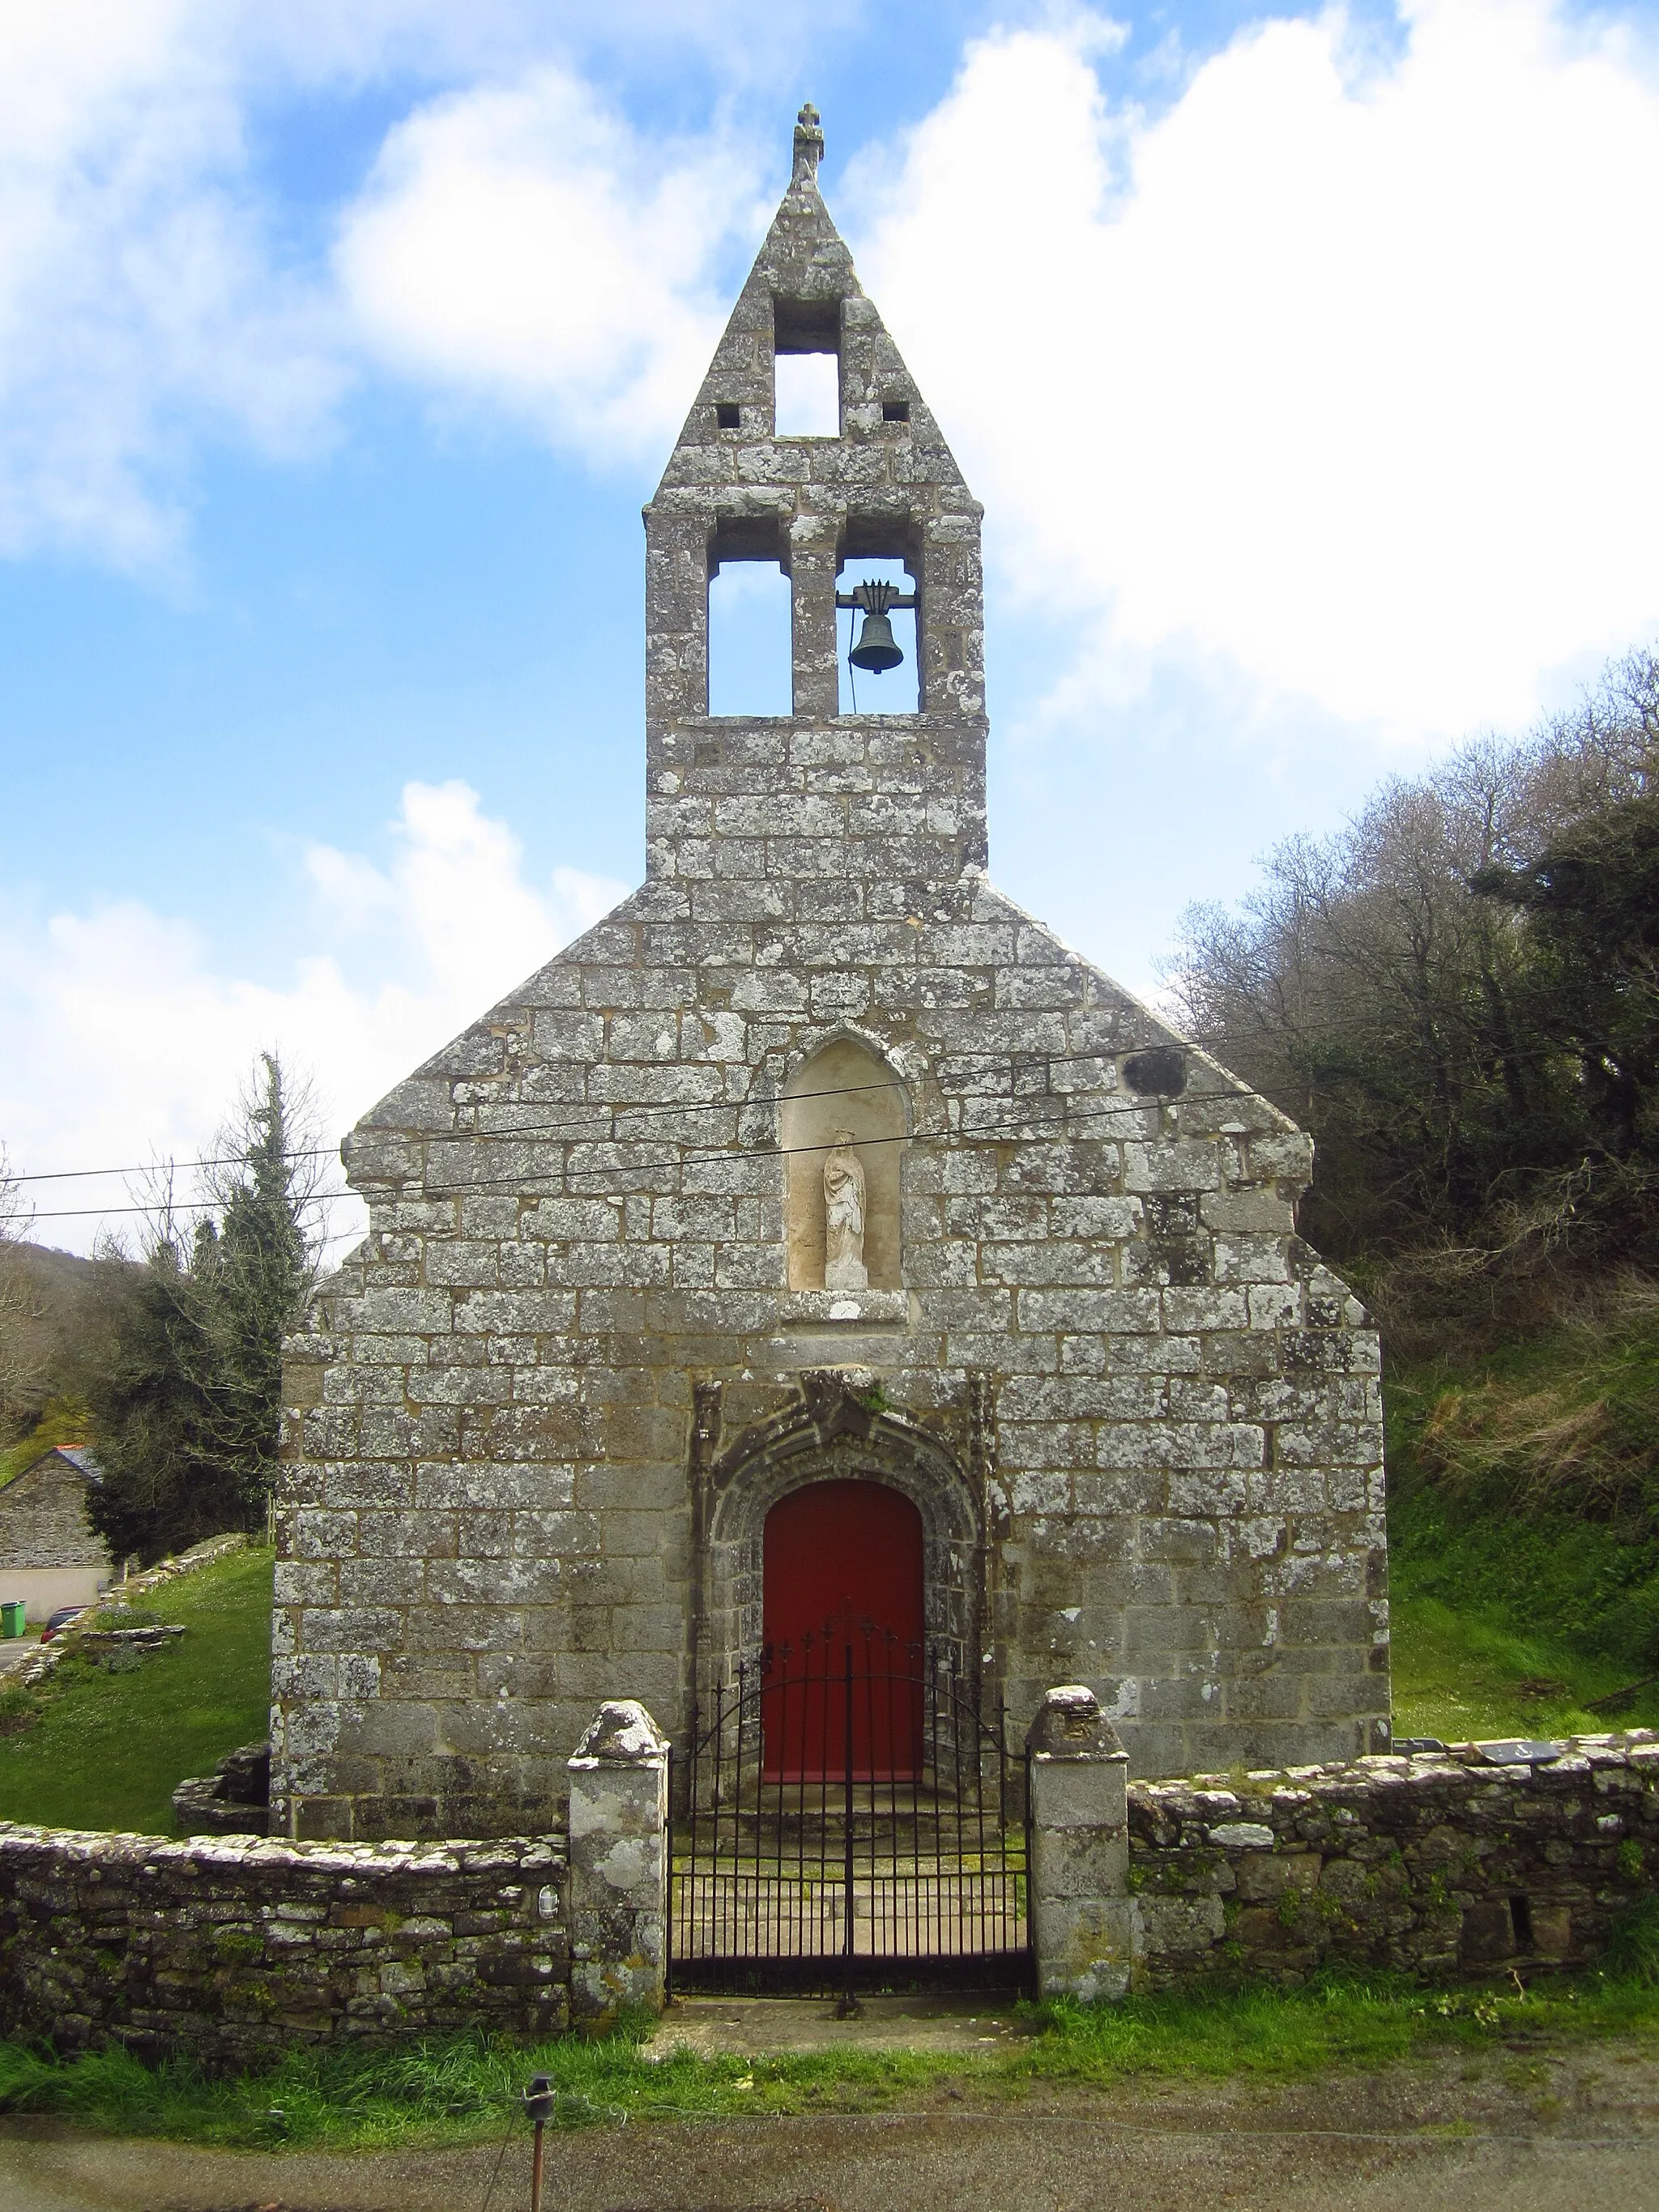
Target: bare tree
x=22, y=1308
x=1374, y=990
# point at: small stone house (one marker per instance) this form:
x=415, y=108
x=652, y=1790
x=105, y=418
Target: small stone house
x=50, y=1553
x=816, y=1237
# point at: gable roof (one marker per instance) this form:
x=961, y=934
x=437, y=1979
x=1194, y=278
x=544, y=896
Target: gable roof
x=78, y=1458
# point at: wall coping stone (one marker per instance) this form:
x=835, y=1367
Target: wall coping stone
x=621, y=1731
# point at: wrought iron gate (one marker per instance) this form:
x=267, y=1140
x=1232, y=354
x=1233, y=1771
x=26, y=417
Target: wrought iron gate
x=847, y=1823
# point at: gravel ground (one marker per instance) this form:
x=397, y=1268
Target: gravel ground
x=1550, y=2130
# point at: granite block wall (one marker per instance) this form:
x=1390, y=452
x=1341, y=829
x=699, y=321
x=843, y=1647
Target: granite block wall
x=43, y=1520
x=499, y=1505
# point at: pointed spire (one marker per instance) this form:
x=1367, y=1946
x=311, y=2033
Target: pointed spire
x=809, y=146
x=883, y=485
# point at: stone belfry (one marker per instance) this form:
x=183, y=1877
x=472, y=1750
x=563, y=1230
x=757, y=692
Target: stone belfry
x=886, y=487
x=817, y=1238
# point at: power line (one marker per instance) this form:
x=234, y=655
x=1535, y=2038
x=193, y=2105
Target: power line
x=1068, y=1115
x=75, y=1213
x=156, y=1167
x=1032, y=1059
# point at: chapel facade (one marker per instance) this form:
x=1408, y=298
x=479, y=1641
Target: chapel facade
x=816, y=1237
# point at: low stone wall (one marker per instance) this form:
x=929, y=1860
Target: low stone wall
x=233, y=1948
x=1435, y=1864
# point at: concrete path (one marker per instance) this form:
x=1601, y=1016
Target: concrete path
x=1522, y=2127
x=752, y=2027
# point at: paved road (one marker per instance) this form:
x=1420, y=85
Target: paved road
x=1548, y=2132
x=966, y=2162
x=14, y=1650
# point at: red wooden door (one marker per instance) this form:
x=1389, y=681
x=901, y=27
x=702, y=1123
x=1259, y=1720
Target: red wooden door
x=842, y=1572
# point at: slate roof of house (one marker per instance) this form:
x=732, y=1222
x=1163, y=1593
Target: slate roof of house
x=79, y=1456
x=80, y=1459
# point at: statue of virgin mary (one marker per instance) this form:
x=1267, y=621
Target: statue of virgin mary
x=843, y=1217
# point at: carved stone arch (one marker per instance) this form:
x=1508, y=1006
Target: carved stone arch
x=835, y=1434
x=898, y=1058
x=848, y=1083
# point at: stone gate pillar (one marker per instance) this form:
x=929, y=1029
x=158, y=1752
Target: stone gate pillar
x=618, y=1864
x=1083, y=1919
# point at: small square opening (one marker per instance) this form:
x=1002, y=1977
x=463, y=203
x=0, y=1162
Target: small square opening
x=728, y=414
x=895, y=410
x=807, y=325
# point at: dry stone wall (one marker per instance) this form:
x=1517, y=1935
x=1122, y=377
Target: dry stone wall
x=1436, y=1865
x=236, y=1947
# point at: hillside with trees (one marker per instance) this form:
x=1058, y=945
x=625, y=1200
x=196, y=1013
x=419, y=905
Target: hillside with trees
x=168, y=1360
x=1458, y=994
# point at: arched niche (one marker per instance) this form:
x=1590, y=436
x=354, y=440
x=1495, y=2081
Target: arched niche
x=843, y=1087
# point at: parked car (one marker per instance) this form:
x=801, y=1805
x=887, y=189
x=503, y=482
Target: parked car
x=57, y=1622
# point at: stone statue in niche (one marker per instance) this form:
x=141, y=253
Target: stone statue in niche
x=843, y=1217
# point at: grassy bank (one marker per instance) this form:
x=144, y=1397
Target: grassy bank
x=467, y=2089
x=1523, y=1527
x=92, y=1749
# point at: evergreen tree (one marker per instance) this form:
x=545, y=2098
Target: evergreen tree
x=184, y=1376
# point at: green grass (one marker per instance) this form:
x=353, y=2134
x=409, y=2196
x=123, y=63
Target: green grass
x=1463, y=1676
x=101, y=1750
x=466, y=2089
x=1523, y=1530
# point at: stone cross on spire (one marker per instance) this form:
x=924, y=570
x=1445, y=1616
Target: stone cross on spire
x=809, y=145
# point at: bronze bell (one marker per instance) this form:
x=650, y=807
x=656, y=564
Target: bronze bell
x=876, y=649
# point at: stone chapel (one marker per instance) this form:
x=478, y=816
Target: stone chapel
x=817, y=1235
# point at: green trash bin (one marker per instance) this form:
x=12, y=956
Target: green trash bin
x=11, y=1616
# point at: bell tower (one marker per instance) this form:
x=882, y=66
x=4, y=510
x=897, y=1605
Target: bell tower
x=872, y=797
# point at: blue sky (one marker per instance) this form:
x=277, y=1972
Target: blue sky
x=1302, y=359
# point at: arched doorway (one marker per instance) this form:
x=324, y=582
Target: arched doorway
x=841, y=1568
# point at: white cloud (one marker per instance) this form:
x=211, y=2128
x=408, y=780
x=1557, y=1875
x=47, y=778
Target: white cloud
x=1335, y=377
x=523, y=244
x=1328, y=380
x=137, y=1040
x=136, y=288
x=156, y=292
